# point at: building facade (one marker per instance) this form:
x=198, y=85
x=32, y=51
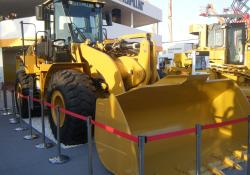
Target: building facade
x=127, y=16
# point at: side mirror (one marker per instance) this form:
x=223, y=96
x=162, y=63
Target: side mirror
x=109, y=19
x=40, y=13
x=59, y=43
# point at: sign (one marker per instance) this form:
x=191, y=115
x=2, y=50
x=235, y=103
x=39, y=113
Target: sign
x=138, y=4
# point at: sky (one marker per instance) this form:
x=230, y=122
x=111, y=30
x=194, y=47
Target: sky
x=186, y=12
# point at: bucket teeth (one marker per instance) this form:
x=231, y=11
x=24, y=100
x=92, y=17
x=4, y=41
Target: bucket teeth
x=231, y=163
x=216, y=168
x=216, y=171
x=242, y=155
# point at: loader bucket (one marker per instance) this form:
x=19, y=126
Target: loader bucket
x=165, y=107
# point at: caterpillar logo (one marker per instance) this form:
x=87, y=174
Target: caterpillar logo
x=138, y=4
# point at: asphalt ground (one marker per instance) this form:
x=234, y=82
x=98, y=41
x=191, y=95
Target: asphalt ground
x=21, y=157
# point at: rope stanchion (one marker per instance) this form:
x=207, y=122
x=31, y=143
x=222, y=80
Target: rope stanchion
x=5, y=110
x=59, y=158
x=21, y=122
x=198, y=129
x=31, y=91
x=140, y=140
x=141, y=144
x=31, y=136
x=90, y=152
x=14, y=119
x=44, y=144
x=149, y=138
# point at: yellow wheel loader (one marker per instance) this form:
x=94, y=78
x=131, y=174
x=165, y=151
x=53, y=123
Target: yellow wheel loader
x=116, y=82
x=223, y=51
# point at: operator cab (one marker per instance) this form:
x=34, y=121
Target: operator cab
x=232, y=37
x=76, y=21
x=69, y=21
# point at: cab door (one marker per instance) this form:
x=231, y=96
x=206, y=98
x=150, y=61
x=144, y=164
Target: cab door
x=216, y=44
x=236, y=40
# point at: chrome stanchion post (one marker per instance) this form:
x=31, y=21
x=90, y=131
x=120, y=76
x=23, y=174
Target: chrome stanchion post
x=141, y=144
x=90, y=153
x=31, y=91
x=21, y=122
x=5, y=103
x=31, y=136
x=5, y=110
x=60, y=158
x=14, y=119
x=248, y=147
x=21, y=127
x=198, y=148
x=1, y=91
x=43, y=145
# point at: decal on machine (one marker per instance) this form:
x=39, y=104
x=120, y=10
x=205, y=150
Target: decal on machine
x=138, y=4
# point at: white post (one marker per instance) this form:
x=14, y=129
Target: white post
x=132, y=20
x=1, y=66
x=193, y=62
x=157, y=25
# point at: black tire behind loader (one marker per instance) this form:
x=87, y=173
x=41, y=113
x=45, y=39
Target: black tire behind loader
x=22, y=87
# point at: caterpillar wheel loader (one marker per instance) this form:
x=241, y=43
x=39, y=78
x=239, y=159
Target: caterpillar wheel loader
x=223, y=51
x=116, y=82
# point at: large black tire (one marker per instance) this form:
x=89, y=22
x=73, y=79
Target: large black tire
x=22, y=86
x=78, y=93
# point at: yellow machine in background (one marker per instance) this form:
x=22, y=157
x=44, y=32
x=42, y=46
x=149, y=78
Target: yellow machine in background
x=116, y=82
x=225, y=46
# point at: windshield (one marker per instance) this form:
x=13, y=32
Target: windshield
x=77, y=21
x=215, y=36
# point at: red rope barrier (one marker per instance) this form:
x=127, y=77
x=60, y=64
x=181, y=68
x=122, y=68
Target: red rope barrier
x=149, y=138
x=36, y=100
x=22, y=96
x=49, y=105
x=226, y=123
x=115, y=131
x=78, y=116
x=84, y=118
x=171, y=134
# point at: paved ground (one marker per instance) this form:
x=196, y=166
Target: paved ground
x=20, y=157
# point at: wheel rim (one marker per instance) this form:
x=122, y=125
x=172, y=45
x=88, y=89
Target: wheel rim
x=58, y=100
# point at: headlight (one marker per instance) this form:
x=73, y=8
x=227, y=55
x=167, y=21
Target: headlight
x=98, y=5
